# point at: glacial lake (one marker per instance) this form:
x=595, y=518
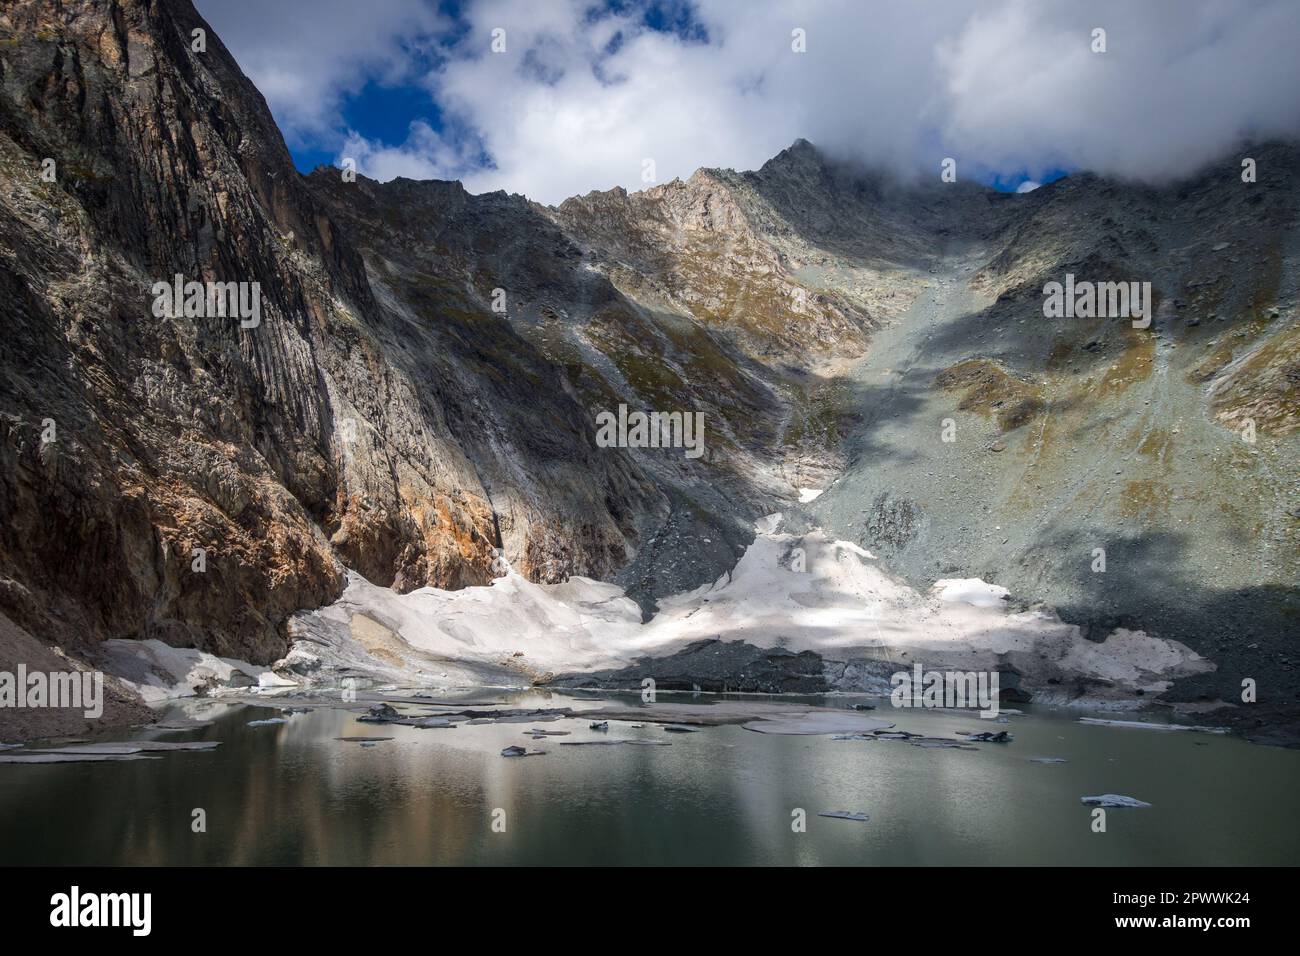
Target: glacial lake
x=290, y=793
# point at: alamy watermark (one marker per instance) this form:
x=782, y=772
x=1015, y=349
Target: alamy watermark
x=82, y=690
x=651, y=430
x=922, y=688
x=75, y=908
x=177, y=299
x=1098, y=300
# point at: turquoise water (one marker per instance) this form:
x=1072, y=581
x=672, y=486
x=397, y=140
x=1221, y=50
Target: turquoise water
x=292, y=794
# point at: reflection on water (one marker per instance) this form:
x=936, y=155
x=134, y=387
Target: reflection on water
x=292, y=794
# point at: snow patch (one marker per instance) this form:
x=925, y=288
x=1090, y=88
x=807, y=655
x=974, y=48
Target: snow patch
x=158, y=671
x=970, y=591
x=798, y=592
x=794, y=591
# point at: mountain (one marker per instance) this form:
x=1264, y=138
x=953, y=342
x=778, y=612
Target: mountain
x=418, y=398
x=1172, y=448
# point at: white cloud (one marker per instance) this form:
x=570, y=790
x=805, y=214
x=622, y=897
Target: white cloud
x=1000, y=85
x=1180, y=83
x=304, y=55
x=424, y=155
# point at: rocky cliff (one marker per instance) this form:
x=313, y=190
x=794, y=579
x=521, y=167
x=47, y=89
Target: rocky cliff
x=404, y=437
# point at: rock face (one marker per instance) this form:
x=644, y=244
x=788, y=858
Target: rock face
x=418, y=395
x=120, y=705
x=348, y=428
x=130, y=441
x=714, y=666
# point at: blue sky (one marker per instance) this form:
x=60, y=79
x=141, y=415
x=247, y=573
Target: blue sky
x=589, y=94
x=380, y=113
x=383, y=112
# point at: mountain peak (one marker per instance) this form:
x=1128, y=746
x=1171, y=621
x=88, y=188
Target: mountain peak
x=800, y=154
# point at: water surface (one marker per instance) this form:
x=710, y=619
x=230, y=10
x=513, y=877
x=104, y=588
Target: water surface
x=292, y=794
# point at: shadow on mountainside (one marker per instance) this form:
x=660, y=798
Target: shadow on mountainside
x=1247, y=632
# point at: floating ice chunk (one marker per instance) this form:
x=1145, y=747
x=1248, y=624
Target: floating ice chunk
x=817, y=722
x=381, y=713
x=1113, y=800
x=427, y=722
x=128, y=747
x=513, y=751
x=845, y=815
x=614, y=743
x=940, y=743
x=1143, y=725
x=71, y=758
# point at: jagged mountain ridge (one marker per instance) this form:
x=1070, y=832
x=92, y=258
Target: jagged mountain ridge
x=401, y=429
x=766, y=299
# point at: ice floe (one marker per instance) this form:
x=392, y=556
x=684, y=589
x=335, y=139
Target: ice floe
x=1113, y=800
x=1147, y=725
